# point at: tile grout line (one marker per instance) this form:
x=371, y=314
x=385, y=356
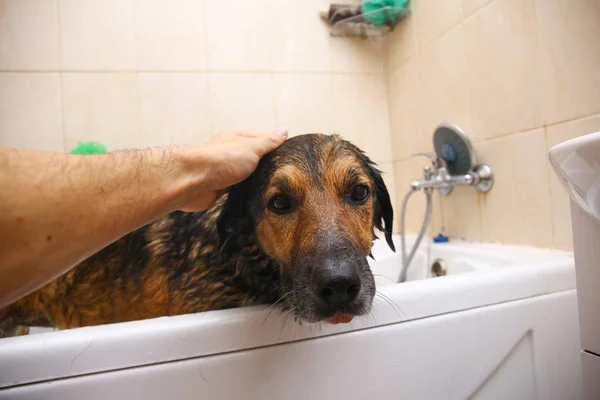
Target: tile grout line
x=274, y=98
x=185, y=71
x=516, y=133
x=332, y=109
x=414, y=33
x=206, y=62
x=479, y=10
x=134, y=9
x=419, y=48
x=205, y=35
x=468, y=66
x=390, y=67
x=63, y=122
x=595, y=113
x=549, y=179
x=539, y=60
x=387, y=80
x=274, y=87
x=480, y=212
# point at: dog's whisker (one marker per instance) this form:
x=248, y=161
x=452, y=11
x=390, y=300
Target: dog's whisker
x=386, y=277
x=377, y=313
x=392, y=304
x=283, y=315
x=293, y=330
x=270, y=309
x=282, y=326
x=369, y=317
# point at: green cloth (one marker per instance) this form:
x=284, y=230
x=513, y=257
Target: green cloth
x=381, y=18
x=89, y=148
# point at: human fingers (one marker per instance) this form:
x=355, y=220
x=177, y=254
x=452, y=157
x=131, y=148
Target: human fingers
x=265, y=143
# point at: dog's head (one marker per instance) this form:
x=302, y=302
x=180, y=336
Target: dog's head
x=313, y=206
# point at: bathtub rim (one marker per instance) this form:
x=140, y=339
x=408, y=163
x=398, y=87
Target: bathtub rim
x=81, y=351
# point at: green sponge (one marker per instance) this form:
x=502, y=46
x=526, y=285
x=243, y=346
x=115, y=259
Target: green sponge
x=381, y=18
x=89, y=148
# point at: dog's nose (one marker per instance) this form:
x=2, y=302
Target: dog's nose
x=336, y=287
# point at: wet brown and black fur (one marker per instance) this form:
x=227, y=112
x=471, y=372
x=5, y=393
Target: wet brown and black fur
x=235, y=254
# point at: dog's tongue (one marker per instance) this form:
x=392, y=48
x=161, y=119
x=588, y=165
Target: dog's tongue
x=340, y=319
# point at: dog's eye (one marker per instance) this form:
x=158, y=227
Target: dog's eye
x=280, y=204
x=360, y=194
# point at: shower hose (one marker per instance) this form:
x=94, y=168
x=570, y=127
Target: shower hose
x=407, y=258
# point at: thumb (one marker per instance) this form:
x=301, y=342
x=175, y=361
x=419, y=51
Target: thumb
x=269, y=142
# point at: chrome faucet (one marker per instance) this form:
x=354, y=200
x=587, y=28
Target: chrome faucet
x=454, y=163
x=437, y=176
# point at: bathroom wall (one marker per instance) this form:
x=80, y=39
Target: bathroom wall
x=136, y=73
x=519, y=76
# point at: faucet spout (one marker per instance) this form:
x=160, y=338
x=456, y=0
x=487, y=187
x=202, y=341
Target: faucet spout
x=443, y=174
x=481, y=177
x=440, y=181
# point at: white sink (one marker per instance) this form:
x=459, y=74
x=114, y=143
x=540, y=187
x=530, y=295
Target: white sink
x=577, y=164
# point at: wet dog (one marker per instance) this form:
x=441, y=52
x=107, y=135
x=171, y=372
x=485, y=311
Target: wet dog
x=297, y=232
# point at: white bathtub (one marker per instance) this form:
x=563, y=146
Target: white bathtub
x=502, y=324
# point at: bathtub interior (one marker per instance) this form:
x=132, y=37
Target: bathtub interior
x=433, y=260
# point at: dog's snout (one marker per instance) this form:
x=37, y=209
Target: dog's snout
x=336, y=286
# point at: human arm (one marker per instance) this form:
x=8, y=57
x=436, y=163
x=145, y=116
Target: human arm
x=58, y=209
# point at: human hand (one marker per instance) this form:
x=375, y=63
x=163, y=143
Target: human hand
x=226, y=159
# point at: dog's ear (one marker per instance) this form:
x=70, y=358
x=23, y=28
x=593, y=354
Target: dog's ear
x=383, y=216
x=234, y=218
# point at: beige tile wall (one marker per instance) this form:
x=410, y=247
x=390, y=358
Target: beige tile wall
x=135, y=73
x=519, y=76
